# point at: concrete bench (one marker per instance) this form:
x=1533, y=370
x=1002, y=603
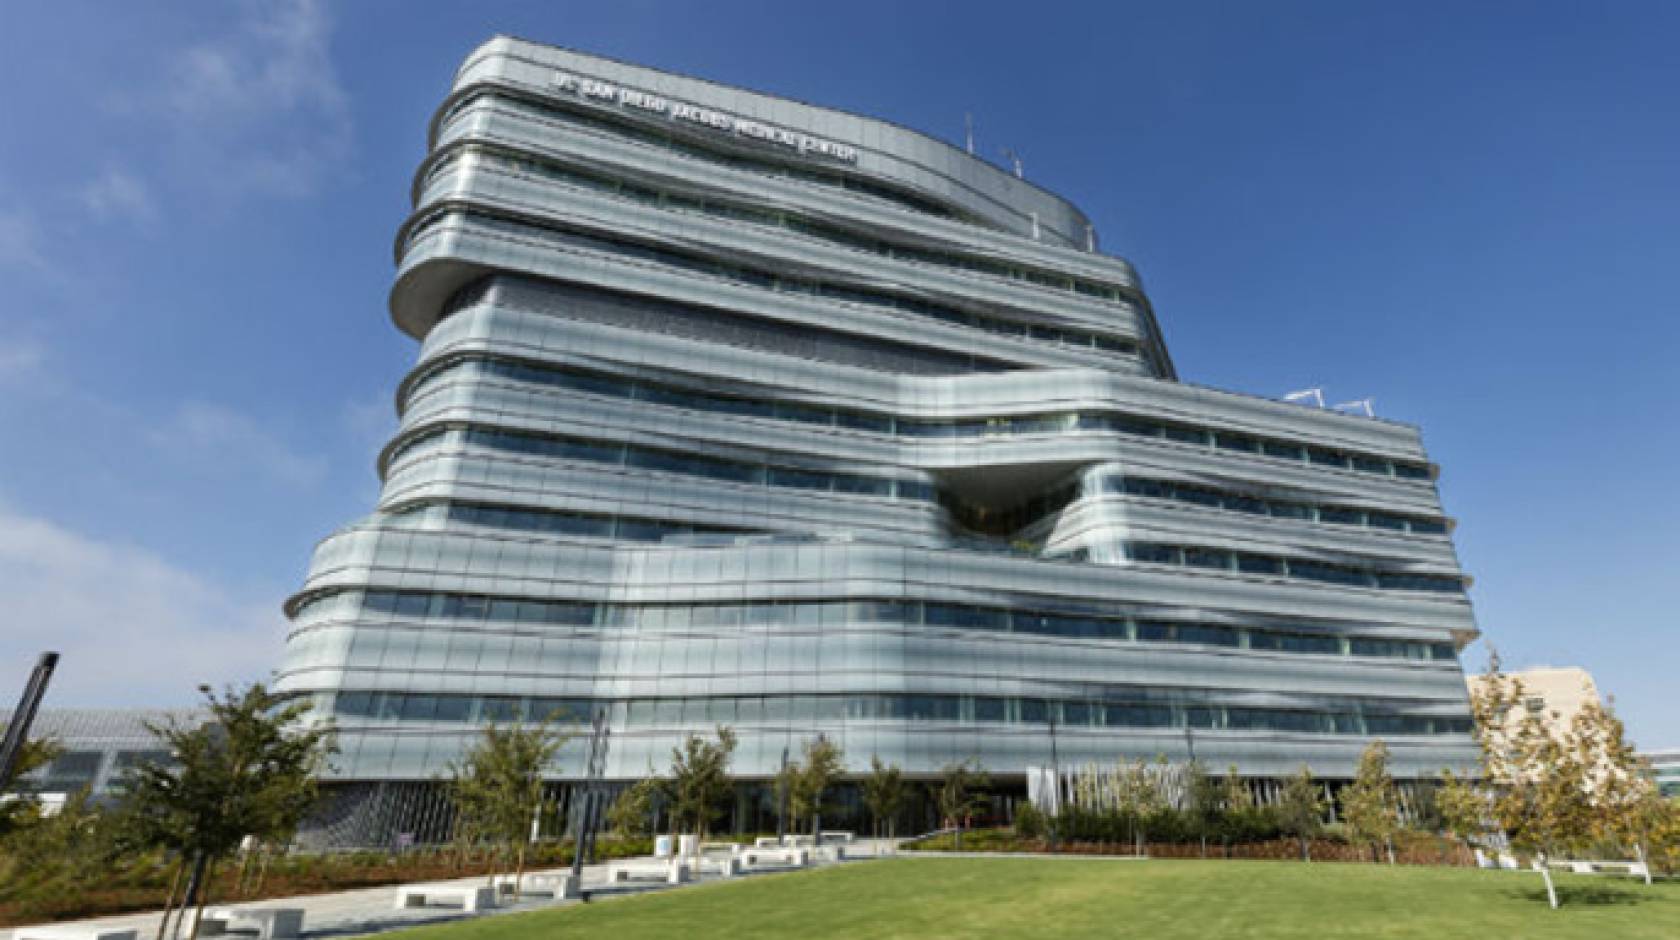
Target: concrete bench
x=271, y=923
x=835, y=837
x=73, y=933
x=799, y=858
x=1595, y=867
x=559, y=886
x=728, y=866
x=767, y=842
x=676, y=871
x=829, y=853
x=468, y=897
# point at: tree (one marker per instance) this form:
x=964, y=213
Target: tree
x=1201, y=802
x=1370, y=804
x=809, y=780
x=699, y=780
x=883, y=795
x=497, y=788
x=1463, y=808
x=1300, y=810
x=1138, y=797
x=1541, y=783
x=1236, y=809
x=23, y=809
x=249, y=770
x=631, y=814
x=958, y=795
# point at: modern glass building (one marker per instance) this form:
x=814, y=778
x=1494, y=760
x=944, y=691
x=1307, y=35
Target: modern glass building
x=98, y=747
x=733, y=410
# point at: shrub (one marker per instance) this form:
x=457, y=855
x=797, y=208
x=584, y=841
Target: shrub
x=1029, y=821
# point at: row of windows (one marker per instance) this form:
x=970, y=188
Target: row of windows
x=819, y=614
x=739, y=212
x=72, y=770
x=718, y=326
x=661, y=394
x=1220, y=559
x=557, y=522
x=714, y=468
x=956, y=709
x=1283, y=509
x=772, y=280
x=646, y=135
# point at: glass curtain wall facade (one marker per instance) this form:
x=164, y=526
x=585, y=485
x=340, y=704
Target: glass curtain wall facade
x=734, y=410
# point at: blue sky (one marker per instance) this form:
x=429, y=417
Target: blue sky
x=1470, y=212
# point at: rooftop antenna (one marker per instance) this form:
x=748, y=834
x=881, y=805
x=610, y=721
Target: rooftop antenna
x=1015, y=159
x=968, y=129
x=1315, y=394
x=1363, y=404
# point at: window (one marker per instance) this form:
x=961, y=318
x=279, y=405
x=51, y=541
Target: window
x=1237, y=442
x=1247, y=504
x=1326, y=458
x=1151, y=553
x=1186, y=435
x=1259, y=564
x=1207, y=558
x=1340, y=516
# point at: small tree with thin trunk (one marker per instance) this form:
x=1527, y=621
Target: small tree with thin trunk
x=1300, y=810
x=809, y=780
x=1201, y=802
x=249, y=770
x=699, y=780
x=497, y=788
x=958, y=794
x=1540, y=782
x=631, y=814
x=1370, y=804
x=1138, y=797
x=1463, y=807
x=1236, y=808
x=883, y=795
x=1626, y=805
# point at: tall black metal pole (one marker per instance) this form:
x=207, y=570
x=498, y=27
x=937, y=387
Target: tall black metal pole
x=583, y=843
x=17, y=730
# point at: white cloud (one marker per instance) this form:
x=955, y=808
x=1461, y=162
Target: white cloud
x=133, y=629
x=117, y=192
x=218, y=437
x=261, y=103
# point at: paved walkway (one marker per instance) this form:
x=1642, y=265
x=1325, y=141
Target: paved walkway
x=370, y=910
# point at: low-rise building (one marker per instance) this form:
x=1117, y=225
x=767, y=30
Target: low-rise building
x=1665, y=766
x=98, y=745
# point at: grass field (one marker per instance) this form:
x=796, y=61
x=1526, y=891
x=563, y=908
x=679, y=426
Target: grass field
x=1005, y=897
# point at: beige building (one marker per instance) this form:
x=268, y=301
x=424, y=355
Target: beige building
x=1557, y=695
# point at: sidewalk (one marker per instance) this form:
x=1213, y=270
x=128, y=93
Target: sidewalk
x=367, y=911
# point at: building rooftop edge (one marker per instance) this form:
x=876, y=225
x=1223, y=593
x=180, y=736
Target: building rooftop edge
x=988, y=166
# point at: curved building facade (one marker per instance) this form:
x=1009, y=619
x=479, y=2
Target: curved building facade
x=734, y=410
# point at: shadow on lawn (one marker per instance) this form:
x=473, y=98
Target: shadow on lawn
x=1594, y=895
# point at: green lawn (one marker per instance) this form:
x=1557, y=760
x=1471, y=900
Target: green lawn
x=936, y=897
